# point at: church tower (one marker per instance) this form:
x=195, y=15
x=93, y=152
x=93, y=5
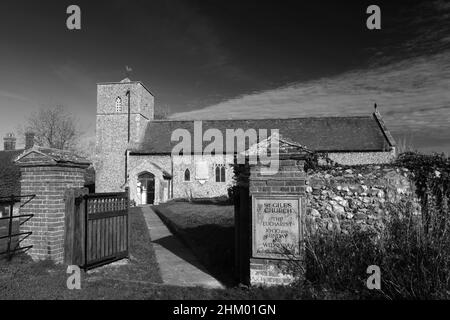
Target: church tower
x=123, y=112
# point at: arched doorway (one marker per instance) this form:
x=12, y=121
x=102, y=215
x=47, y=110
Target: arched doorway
x=147, y=187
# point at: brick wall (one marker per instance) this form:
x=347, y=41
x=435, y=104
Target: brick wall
x=48, y=180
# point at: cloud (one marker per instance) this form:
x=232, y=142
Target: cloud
x=408, y=79
x=14, y=96
x=413, y=95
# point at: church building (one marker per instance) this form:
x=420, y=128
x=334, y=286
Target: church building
x=134, y=150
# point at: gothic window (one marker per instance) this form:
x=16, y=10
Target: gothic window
x=187, y=175
x=220, y=173
x=118, y=104
x=217, y=174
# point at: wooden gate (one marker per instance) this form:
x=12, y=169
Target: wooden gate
x=97, y=228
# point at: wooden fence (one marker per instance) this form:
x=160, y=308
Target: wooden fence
x=97, y=228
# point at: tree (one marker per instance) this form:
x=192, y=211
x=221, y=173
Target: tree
x=53, y=127
x=161, y=113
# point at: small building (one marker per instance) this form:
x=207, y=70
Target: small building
x=135, y=150
x=10, y=173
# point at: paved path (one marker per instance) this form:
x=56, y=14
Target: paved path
x=179, y=267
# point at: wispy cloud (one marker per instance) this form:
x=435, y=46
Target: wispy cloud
x=410, y=82
x=419, y=86
x=14, y=96
x=413, y=95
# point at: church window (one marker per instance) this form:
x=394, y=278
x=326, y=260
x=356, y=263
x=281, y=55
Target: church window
x=118, y=104
x=220, y=173
x=187, y=175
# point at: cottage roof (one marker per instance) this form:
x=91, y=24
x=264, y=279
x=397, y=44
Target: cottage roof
x=9, y=173
x=321, y=134
x=10, y=170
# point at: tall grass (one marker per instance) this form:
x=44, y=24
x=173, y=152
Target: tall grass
x=414, y=264
x=405, y=144
x=412, y=250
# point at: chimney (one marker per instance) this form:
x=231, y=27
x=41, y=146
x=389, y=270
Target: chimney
x=29, y=140
x=9, y=142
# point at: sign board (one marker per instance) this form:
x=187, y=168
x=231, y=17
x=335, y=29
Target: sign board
x=201, y=170
x=276, y=222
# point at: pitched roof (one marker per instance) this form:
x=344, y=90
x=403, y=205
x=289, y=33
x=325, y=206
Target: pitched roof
x=321, y=134
x=9, y=173
x=56, y=155
x=10, y=170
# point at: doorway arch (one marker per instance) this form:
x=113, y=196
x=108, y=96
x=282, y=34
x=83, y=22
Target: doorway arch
x=147, y=187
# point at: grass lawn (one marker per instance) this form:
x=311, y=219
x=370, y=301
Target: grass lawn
x=24, y=279
x=138, y=279
x=208, y=229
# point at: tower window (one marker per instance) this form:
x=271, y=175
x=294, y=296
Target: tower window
x=118, y=104
x=187, y=175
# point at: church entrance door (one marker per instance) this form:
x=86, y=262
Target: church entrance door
x=147, y=181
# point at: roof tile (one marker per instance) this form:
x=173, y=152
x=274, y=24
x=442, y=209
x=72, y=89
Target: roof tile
x=322, y=134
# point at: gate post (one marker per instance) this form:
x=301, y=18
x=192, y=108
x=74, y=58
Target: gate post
x=270, y=218
x=75, y=233
x=47, y=173
x=127, y=192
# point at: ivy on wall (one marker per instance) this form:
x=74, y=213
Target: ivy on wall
x=431, y=175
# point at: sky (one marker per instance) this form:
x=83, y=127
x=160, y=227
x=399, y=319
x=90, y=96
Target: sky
x=234, y=59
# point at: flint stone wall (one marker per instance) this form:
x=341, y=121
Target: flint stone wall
x=339, y=199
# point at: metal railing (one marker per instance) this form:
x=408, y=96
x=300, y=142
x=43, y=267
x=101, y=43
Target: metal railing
x=11, y=247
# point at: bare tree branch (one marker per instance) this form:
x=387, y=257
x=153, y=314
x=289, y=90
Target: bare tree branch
x=54, y=128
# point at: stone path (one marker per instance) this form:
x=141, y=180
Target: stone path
x=179, y=267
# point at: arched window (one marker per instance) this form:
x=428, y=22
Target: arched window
x=217, y=174
x=220, y=173
x=118, y=104
x=187, y=175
